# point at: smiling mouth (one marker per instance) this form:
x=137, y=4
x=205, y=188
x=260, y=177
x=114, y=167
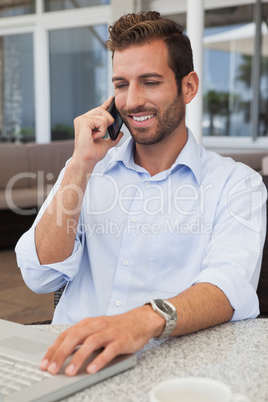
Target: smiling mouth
x=142, y=118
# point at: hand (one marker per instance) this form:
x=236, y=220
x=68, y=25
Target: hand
x=90, y=128
x=119, y=334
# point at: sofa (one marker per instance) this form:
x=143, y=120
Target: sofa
x=251, y=158
x=28, y=172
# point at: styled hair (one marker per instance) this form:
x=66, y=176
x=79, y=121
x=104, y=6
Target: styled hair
x=145, y=27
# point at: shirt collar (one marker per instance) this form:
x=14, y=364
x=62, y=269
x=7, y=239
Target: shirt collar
x=124, y=154
x=189, y=156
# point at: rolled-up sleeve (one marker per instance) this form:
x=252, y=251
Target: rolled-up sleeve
x=46, y=278
x=233, y=257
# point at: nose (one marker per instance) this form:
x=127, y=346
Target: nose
x=135, y=97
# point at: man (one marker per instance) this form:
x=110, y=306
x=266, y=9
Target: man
x=158, y=219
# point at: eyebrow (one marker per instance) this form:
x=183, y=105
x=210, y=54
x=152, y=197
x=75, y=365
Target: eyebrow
x=146, y=75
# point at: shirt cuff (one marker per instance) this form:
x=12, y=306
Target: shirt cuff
x=48, y=277
x=241, y=295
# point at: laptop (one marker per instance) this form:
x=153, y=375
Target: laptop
x=21, y=350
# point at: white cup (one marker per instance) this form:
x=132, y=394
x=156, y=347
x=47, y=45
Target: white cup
x=194, y=389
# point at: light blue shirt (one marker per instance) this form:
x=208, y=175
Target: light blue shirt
x=141, y=237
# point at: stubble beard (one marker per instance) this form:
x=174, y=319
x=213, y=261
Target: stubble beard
x=166, y=123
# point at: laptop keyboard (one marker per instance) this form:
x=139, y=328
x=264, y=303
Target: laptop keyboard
x=15, y=375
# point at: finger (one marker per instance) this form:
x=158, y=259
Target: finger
x=102, y=109
x=108, y=141
x=51, y=352
x=62, y=348
x=100, y=122
x=100, y=127
x=107, y=103
x=94, y=122
x=107, y=355
x=92, y=343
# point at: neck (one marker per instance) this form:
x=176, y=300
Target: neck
x=159, y=157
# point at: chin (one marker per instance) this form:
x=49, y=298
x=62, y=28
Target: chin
x=142, y=137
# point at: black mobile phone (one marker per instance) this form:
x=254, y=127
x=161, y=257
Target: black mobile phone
x=114, y=129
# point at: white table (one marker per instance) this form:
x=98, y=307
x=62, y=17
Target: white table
x=235, y=353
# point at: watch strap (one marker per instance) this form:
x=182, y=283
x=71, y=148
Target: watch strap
x=166, y=310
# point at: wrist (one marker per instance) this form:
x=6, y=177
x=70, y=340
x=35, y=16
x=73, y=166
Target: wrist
x=80, y=167
x=78, y=173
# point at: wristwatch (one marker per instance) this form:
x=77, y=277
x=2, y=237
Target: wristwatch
x=168, y=312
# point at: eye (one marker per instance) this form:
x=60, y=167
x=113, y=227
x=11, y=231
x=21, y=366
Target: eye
x=121, y=85
x=151, y=83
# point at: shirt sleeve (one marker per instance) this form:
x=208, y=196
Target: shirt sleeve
x=233, y=257
x=46, y=278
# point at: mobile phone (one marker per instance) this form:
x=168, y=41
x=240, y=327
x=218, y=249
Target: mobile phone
x=114, y=129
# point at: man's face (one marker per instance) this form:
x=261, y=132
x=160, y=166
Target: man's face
x=146, y=92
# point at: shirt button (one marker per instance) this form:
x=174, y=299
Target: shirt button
x=134, y=219
x=125, y=262
x=147, y=184
x=118, y=303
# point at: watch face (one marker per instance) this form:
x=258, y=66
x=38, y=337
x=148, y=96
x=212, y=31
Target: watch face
x=163, y=306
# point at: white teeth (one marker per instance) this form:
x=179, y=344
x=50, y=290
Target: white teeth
x=142, y=118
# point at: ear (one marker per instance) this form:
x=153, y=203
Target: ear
x=190, y=85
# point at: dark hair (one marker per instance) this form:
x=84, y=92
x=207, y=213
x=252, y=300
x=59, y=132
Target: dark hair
x=144, y=27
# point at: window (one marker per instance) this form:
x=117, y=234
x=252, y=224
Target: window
x=263, y=107
x=78, y=75
x=54, y=5
x=53, y=66
x=10, y=8
x=55, y=49
x=17, y=116
x=228, y=52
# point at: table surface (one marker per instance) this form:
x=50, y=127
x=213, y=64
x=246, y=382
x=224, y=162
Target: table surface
x=235, y=353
